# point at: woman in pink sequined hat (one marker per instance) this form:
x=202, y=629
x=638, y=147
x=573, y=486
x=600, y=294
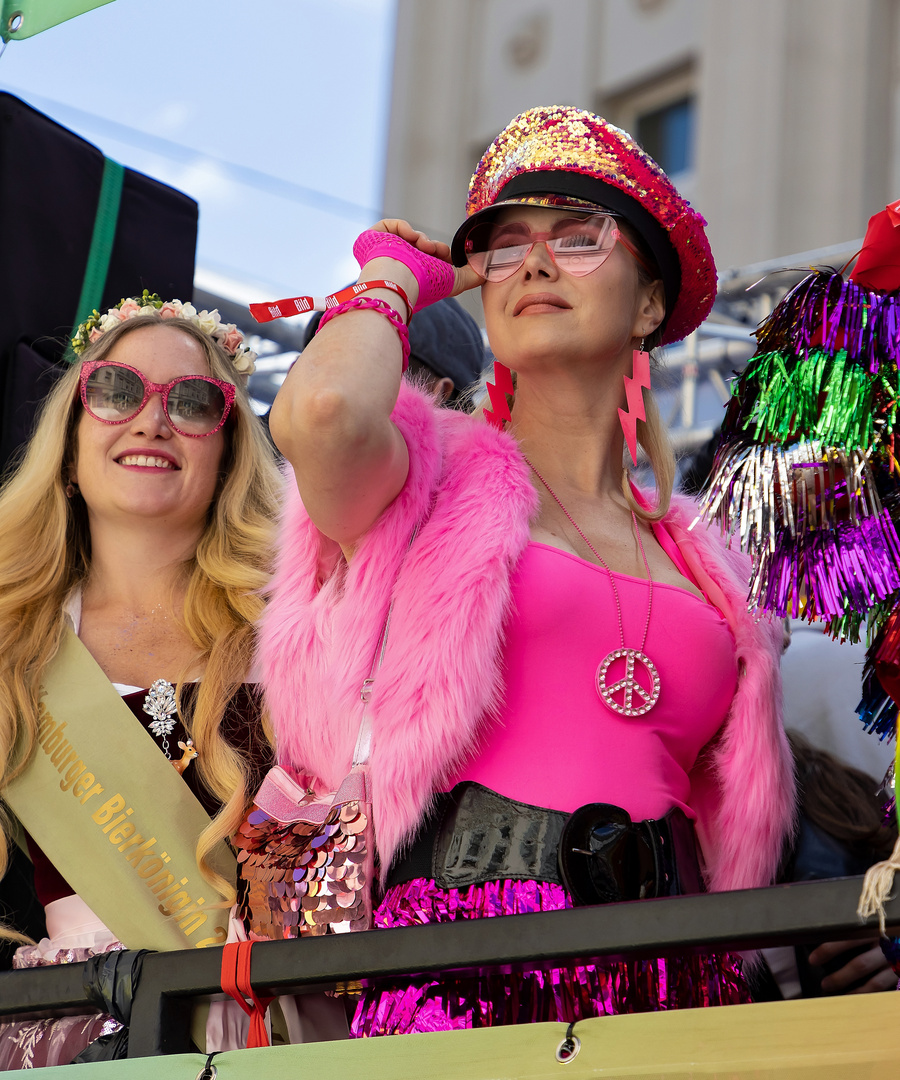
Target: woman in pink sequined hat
x=572, y=704
x=570, y=158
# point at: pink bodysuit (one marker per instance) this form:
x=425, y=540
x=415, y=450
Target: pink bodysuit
x=555, y=744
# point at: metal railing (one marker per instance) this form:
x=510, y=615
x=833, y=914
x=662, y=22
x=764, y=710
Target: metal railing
x=756, y=918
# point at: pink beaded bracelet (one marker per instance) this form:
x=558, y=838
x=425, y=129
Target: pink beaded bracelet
x=374, y=304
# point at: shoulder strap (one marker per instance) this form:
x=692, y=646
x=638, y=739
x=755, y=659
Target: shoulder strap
x=102, y=238
x=364, y=739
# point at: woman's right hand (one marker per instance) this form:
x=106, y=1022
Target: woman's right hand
x=465, y=277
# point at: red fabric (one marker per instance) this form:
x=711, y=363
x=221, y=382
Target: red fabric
x=236, y=983
x=878, y=265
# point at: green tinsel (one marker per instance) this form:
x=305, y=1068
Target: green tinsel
x=827, y=398
x=848, y=627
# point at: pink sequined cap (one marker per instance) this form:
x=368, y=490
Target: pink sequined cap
x=572, y=143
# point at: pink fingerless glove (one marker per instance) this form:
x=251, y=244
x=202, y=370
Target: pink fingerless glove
x=435, y=277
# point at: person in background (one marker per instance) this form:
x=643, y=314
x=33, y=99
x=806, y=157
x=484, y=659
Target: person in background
x=841, y=832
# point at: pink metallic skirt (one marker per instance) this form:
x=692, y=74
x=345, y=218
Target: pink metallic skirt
x=563, y=994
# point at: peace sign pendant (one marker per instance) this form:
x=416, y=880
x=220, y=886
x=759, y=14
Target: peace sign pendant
x=638, y=699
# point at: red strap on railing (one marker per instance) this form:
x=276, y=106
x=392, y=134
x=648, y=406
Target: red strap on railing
x=236, y=983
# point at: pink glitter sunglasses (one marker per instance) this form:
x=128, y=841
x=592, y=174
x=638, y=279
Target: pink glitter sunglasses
x=577, y=244
x=195, y=405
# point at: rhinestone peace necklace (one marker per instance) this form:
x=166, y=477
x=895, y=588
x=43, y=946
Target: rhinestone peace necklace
x=637, y=699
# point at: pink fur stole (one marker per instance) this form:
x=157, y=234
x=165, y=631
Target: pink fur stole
x=470, y=492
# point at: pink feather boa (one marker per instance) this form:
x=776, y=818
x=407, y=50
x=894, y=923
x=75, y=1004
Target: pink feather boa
x=471, y=491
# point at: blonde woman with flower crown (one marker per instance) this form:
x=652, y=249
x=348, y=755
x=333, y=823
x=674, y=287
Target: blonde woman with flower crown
x=136, y=539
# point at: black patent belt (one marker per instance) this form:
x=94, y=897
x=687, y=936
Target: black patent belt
x=598, y=854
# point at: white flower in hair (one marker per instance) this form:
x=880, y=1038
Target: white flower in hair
x=209, y=322
x=245, y=361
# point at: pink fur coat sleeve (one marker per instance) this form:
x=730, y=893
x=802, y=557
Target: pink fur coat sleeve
x=469, y=492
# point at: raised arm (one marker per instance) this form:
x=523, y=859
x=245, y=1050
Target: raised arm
x=332, y=416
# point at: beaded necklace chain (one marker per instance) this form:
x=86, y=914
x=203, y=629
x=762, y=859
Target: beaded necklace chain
x=637, y=697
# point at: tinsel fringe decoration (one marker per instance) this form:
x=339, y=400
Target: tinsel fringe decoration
x=823, y=545
x=825, y=367
x=848, y=627
x=877, y=710
x=809, y=426
x=827, y=398
x=826, y=311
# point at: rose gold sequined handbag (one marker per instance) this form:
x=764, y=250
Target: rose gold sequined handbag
x=306, y=855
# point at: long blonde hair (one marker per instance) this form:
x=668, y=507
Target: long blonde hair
x=45, y=552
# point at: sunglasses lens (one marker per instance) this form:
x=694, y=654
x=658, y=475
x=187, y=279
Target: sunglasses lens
x=585, y=245
x=113, y=393
x=496, y=254
x=195, y=406
x=580, y=245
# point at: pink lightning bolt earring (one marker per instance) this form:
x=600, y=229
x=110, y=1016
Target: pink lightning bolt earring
x=497, y=391
x=634, y=398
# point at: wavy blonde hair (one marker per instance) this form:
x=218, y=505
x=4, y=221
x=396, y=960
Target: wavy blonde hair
x=45, y=551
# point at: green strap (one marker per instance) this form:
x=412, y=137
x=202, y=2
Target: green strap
x=101, y=243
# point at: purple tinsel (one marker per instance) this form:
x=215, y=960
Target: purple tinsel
x=491, y=998
x=826, y=311
x=846, y=568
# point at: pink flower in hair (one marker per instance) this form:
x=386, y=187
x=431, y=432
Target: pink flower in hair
x=232, y=340
x=95, y=333
x=169, y=311
x=129, y=308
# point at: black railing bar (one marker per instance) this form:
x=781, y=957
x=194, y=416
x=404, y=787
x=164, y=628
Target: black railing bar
x=753, y=918
x=812, y=911
x=806, y=912
x=47, y=991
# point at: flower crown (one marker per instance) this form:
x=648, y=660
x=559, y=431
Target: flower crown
x=226, y=334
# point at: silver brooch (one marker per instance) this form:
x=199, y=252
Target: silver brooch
x=160, y=705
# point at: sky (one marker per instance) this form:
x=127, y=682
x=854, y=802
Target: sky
x=273, y=115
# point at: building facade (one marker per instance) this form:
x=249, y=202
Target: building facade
x=779, y=119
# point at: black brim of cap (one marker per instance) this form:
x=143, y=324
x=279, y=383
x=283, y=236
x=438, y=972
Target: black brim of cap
x=589, y=189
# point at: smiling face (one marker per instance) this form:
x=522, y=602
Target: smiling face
x=541, y=313
x=143, y=469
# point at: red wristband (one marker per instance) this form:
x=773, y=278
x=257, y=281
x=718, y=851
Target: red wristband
x=298, y=305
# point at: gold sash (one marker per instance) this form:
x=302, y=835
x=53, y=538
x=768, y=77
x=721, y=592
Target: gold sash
x=113, y=815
